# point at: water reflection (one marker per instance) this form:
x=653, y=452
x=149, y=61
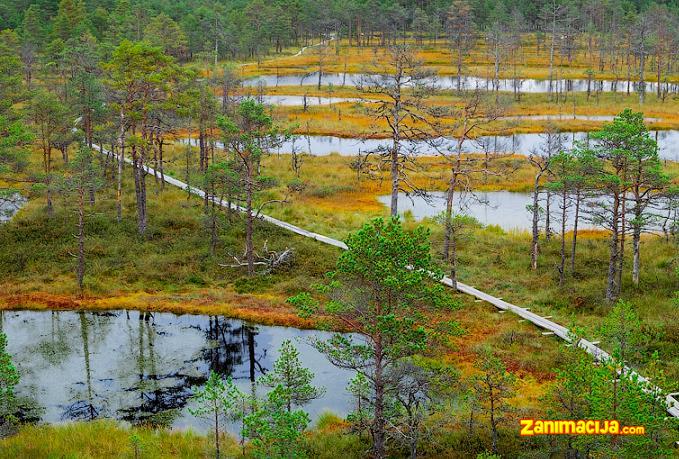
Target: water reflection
x=140, y=367
x=524, y=144
x=295, y=100
x=502, y=208
x=506, y=209
x=10, y=205
x=527, y=85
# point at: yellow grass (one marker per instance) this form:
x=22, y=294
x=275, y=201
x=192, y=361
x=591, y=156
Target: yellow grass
x=108, y=439
x=351, y=119
x=268, y=309
x=526, y=62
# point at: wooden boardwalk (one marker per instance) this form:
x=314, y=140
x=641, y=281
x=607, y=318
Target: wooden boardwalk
x=546, y=324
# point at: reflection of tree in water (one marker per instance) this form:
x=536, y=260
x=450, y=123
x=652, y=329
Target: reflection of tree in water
x=85, y=408
x=140, y=369
x=28, y=409
x=155, y=393
x=227, y=344
x=58, y=347
x=159, y=396
x=248, y=336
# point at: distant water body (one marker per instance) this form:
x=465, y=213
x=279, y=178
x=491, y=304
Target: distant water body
x=523, y=144
x=527, y=85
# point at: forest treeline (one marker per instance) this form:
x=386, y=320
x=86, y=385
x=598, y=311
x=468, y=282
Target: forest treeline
x=190, y=29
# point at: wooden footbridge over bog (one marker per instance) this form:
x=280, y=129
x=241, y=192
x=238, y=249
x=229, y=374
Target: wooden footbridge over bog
x=542, y=322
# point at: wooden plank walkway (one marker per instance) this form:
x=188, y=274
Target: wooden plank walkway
x=544, y=323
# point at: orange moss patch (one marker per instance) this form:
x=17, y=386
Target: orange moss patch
x=363, y=201
x=266, y=310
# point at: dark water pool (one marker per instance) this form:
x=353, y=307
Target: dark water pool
x=86, y=365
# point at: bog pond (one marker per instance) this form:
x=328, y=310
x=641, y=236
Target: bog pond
x=506, y=209
x=319, y=145
x=10, y=205
x=526, y=85
x=114, y=364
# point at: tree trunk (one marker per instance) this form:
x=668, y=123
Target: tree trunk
x=536, y=230
x=548, y=227
x=249, y=220
x=161, y=168
x=394, y=176
x=80, y=270
x=396, y=144
x=459, y=68
x=623, y=234
x=636, y=244
x=493, y=424
x=449, y=216
x=551, y=57
x=659, y=65
x=47, y=167
x=636, y=240
x=575, y=230
x=562, y=262
x=217, y=432
x=642, y=82
x=614, y=245
x=121, y=160
x=140, y=189
x=203, y=147
x=450, y=242
x=379, y=424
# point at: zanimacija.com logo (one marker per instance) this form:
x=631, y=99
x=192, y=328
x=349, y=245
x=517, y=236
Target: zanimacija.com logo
x=530, y=427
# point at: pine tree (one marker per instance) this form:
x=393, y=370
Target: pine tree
x=273, y=430
x=9, y=378
x=217, y=399
x=382, y=286
x=294, y=379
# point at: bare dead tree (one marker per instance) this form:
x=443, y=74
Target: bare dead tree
x=475, y=114
x=402, y=91
x=540, y=159
x=552, y=16
x=461, y=33
x=641, y=49
x=270, y=260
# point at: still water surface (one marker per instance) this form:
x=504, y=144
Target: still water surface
x=10, y=205
x=524, y=144
x=505, y=209
x=468, y=82
x=86, y=365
